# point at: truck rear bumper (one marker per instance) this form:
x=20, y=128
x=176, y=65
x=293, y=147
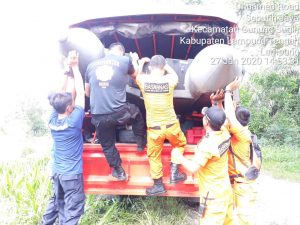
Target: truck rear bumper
x=97, y=178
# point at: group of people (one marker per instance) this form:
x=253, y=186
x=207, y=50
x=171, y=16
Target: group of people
x=220, y=161
x=220, y=172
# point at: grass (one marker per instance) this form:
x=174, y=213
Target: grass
x=25, y=187
x=282, y=162
x=137, y=210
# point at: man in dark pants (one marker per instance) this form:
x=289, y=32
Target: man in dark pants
x=105, y=84
x=67, y=201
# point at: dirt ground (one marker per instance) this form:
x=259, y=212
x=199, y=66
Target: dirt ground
x=278, y=202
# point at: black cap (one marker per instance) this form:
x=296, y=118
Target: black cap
x=242, y=115
x=215, y=116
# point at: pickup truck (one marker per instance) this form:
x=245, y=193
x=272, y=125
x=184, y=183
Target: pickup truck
x=196, y=43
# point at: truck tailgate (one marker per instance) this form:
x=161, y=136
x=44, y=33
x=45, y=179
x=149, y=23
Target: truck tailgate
x=97, y=178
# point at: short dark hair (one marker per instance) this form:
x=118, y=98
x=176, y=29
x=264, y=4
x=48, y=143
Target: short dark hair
x=60, y=101
x=157, y=61
x=117, y=45
x=215, y=117
x=242, y=115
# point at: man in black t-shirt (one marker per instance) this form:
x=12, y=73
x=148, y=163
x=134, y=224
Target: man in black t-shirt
x=105, y=84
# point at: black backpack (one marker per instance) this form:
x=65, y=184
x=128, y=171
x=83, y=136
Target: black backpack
x=255, y=158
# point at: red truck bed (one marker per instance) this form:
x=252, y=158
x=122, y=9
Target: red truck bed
x=97, y=178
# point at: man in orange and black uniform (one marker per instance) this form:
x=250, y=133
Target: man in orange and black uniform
x=210, y=162
x=245, y=190
x=162, y=123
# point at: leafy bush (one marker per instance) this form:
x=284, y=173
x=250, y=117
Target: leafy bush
x=273, y=100
x=34, y=114
x=25, y=115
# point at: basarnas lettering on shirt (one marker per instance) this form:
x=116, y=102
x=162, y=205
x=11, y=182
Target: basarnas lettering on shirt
x=156, y=87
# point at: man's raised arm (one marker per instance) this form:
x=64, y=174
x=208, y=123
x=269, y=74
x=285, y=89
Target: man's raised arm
x=78, y=81
x=229, y=107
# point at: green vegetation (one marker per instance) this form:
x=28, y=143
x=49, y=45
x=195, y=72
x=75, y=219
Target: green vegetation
x=34, y=115
x=24, y=190
x=137, y=210
x=273, y=100
x=282, y=162
x=25, y=115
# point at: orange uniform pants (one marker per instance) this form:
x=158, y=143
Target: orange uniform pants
x=155, y=141
x=219, y=211
x=245, y=195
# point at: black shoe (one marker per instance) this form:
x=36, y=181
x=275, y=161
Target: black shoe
x=175, y=175
x=157, y=188
x=119, y=173
x=141, y=143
